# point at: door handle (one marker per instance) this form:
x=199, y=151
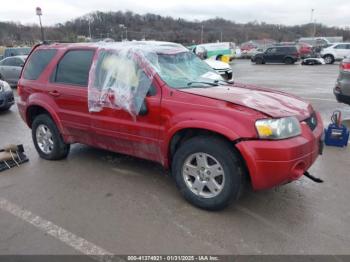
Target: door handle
x=54, y=93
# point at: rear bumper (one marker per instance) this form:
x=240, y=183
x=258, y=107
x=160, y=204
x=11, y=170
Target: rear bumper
x=22, y=110
x=272, y=163
x=6, y=99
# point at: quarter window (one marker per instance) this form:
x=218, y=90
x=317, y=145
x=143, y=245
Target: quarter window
x=37, y=63
x=74, y=68
x=13, y=61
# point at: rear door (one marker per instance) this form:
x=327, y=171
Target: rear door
x=68, y=87
x=341, y=51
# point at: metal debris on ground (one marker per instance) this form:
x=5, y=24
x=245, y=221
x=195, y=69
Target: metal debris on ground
x=12, y=156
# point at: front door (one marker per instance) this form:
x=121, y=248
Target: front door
x=270, y=55
x=117, y=122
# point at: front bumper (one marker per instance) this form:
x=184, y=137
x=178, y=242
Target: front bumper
x=6, y=99
x=226, y=74
x=272, y=163
x=341, y=98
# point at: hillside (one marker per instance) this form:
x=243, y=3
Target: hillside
x=156, y=27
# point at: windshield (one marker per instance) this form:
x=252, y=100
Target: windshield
x=183, y=70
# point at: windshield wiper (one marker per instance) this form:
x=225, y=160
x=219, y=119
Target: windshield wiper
x=202, y=82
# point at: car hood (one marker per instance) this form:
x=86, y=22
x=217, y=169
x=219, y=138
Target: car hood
x=272, y=103
x=217, y=64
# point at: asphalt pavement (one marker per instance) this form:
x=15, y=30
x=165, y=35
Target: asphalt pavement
x=99, y=202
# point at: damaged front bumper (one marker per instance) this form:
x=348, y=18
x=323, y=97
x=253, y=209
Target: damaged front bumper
x=272, y=163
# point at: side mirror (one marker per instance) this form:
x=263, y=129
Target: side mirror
x=143, y=109
x=21, y=65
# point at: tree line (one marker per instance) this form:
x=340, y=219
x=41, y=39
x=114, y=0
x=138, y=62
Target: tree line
x=121, y=25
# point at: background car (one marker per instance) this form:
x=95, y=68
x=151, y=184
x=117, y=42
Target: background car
x=335, y=52
x=10, y=69
x=342, y=88
x=16, y=51
x=277, y=54
x=304, y=49
x=222, y=68
x=6, y=96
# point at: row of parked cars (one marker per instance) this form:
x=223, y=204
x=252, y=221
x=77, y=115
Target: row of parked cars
x=289, y=54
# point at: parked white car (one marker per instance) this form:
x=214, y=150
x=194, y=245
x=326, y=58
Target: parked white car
x=335, y=52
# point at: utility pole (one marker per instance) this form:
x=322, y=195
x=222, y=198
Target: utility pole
x=314, y=28
x=221, y=36
x=90, y=28
x=202, y=35
x=39, y=14
x=122, y=26
x=312, y=21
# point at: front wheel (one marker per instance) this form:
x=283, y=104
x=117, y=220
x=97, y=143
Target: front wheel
x=207, y=172
x=47, y=139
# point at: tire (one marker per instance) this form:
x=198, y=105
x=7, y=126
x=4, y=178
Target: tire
x=211, y=149
x=3, y=109
x=259, y=61
x=329, y=59
x=218, y=58
x=288, y=61
x=55, y=148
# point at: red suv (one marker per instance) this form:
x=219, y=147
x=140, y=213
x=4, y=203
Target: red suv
x=158, y=101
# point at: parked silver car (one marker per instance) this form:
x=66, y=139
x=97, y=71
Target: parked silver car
x=10, y=69
x=6, y=96
x=342, y=87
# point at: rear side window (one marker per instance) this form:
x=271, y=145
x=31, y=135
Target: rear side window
x=37, y=63
x=341, y=46
x=74, y=68
x=12, y=61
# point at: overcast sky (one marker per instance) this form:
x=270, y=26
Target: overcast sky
x=329, y=12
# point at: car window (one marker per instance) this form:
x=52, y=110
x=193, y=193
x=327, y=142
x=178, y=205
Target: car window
x=74, y=68
x=271, y=50
x=341, y=46
x=37, y=63
x=12, y=61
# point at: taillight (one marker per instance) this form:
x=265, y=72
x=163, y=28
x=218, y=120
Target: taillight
x=19, y=90
x=345, y=66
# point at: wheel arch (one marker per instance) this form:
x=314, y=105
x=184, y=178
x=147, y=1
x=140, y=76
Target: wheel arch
x=36, y=109
x=183, y=134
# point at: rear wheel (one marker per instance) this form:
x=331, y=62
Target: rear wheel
x=259, y=61
x=47, y=139
x=288, y=61
x=329, y=59
x=3, y=109
x=207, y=172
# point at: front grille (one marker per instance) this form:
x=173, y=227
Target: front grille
x=311, y=121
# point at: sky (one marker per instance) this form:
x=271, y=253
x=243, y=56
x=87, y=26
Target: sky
x=287, y=12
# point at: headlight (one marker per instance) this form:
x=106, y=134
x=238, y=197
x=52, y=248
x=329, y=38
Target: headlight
x=278, y=128
x=4, y=86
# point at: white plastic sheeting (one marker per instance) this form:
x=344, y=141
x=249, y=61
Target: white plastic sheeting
x=122, y=74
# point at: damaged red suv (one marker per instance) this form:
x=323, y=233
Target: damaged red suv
x=158, y=101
